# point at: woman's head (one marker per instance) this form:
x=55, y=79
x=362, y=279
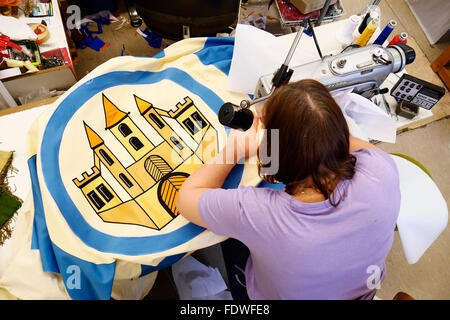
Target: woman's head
x=313, y=137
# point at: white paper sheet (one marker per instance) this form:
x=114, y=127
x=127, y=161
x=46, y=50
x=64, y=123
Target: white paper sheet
x=195, y=281
x=16, y=29
x=257, y=53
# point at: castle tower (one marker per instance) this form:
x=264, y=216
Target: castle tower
x=126, y=131
x=97, y=191
x=198, y=127
x=104, y=155
x=154, y=118
x=191, y=119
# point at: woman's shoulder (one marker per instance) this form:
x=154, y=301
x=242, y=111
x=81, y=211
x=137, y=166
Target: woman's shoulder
x=375, y=161
x=260, y=196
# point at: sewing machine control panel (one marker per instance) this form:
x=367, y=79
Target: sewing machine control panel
x=417, y=91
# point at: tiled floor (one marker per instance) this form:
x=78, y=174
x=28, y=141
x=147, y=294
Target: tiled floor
x=427, y=279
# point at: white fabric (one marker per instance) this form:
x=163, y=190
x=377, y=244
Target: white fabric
x=371, y=121
x=16, y=29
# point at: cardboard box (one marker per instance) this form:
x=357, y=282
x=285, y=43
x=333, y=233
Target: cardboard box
x=307, y=6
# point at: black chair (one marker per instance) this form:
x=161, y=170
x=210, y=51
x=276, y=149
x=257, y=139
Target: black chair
x=178, y=19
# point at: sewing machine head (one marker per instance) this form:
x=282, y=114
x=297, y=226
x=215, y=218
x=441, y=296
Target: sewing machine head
x=362, y=69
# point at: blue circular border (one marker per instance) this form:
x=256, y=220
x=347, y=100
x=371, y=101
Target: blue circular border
x=49, y=154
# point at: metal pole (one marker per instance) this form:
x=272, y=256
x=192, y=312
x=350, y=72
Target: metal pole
x=323, y=12
x=294, y=46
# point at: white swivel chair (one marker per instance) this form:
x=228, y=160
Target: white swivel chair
x=423, y=210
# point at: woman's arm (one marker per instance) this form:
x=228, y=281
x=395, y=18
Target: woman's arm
x=356, y=144
x=212, y=174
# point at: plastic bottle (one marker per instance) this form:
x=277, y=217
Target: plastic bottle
x=402, y=37
x=345, y=35
x=370, y=29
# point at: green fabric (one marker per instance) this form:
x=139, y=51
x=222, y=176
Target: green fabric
x=8, y=206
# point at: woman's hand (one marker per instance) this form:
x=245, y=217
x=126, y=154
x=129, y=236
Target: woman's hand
x=243, y=143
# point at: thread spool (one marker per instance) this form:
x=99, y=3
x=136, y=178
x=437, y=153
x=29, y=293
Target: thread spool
x=345, y=34
x=402, y=37
x=370, y=29
x=367, y=17
x=386, y=32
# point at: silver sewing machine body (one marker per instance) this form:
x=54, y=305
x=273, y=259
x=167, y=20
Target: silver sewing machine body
x=362, y=69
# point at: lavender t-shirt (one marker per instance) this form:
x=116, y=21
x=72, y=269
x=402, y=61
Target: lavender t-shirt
x=304, y=250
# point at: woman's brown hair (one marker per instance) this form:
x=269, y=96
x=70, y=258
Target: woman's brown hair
x=313, y=138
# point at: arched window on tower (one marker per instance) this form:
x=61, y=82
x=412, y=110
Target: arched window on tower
x=136, y=143
x=199, y=120
x=125, y=180
x=155, y=119
x=176, y=143
x=124, y=129
x=106, y=156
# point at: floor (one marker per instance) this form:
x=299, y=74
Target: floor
x=427, y=279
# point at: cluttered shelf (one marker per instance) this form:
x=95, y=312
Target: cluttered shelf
x=36, y=56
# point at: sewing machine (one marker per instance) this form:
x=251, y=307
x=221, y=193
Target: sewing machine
x=362, y=69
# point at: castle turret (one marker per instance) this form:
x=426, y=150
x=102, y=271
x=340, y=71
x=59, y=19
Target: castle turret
x=191, y=119
x=126, y=131
x=104, y=155
x=97, y=191
x=154, y=117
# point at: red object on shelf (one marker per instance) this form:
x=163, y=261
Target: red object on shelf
x=60, y=53
x=291, y=13
x=5, y=41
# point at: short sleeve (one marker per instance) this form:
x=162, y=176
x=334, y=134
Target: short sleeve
x=375, y=162
x=220, y=209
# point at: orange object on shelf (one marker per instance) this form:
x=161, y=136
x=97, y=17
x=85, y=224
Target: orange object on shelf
x=14, y=3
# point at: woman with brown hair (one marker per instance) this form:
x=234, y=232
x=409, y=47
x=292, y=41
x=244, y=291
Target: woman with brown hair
x=327, y=234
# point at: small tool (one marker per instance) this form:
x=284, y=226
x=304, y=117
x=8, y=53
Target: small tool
x=388, y=107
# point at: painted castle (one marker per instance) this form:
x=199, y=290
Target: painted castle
x=152, y=181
